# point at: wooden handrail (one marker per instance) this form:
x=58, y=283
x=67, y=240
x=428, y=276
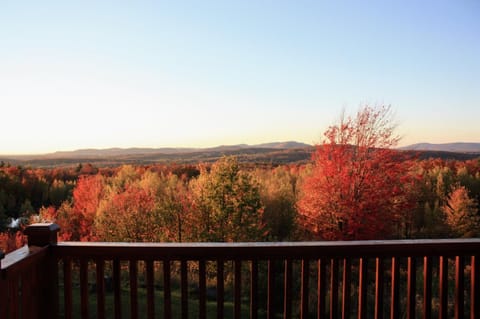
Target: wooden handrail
x=268, y=250
x=21, y=259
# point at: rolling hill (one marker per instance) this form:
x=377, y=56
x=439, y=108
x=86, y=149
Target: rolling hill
x=447, y=147
x=274, y=153
x=270, y=153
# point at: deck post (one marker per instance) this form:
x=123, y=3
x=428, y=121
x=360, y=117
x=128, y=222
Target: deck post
x=42, y=234
x=45, y=234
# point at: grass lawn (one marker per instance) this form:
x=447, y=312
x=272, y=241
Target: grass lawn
x=193, y=305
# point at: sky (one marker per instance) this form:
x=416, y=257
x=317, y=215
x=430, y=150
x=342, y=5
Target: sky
x=101, y=74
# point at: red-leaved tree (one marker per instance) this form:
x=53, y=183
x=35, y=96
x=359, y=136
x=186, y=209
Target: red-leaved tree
x=77, y=220
x=359, y=185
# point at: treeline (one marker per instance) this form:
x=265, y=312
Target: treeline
x=224, y=201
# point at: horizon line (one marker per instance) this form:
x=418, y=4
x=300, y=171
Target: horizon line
x=21, y=154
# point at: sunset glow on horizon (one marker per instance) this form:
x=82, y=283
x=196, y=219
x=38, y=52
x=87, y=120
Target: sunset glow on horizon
x=209, y=73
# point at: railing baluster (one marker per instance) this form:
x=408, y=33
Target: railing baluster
x=26, y=295
x=133, y=276
x=22, y=304
x=287, y=294
x=13, y=300
x=427, y=287
x=346, y=282
x=443, y=287
x=305, y=288
x=379, y=272
x=475, y=288
x=117, y=280
x=67, y=287
x=220, y=289
x=84, y=288
x=395, y=285
x=270, y=288
x=3, y=298
x=150, y=289
x=254, y=289
x=333, y=288
x=237, y=289
x=19, y=292
x=321, y=289
x=51, y=284
x=100, y=289
x=202, y=286
x=411, y=287
x=184, y=288
x=362, y=288
x=32, y=302
x=459, y=287
x=167, y=290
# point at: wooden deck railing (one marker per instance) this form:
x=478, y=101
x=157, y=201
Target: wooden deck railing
x=363, y=279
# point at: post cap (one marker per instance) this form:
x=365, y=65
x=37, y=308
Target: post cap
x=42, y=234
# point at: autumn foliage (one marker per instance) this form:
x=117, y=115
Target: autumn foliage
x=86, y=199
x=358, y=186
x=461, y=213
x=227, y=203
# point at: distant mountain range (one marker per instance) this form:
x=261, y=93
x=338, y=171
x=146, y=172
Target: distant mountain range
x=109, y=152
x=473, y=148
x=271, y=153
x=276, y=152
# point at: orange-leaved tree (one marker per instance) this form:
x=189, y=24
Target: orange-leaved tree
x=77, y=220
x=461, y=213
x=359, y=185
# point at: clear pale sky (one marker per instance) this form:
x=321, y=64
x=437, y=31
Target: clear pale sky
x=98, y=74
